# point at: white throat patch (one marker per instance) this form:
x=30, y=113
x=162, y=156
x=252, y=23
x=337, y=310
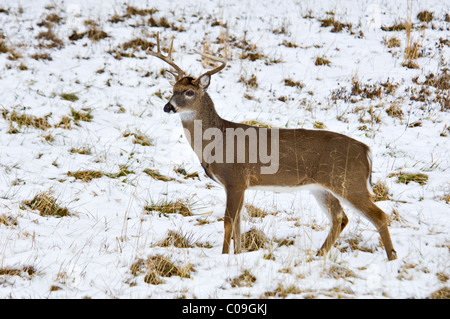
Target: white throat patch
x=187, y=116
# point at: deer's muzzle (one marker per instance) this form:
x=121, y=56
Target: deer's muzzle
x=169, y=108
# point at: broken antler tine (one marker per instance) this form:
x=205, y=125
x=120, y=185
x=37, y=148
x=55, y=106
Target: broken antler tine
x=169, y=56
x=158, y=47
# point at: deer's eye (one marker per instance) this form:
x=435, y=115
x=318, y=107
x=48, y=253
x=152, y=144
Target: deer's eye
x=189, y=93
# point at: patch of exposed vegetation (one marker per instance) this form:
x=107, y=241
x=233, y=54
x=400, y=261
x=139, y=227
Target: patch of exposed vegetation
x=246, y=279
x=155, y=267
x=251, y=82
x=46, y=204
x=406, y=178
x=72, y=97
x=82, y=115
x=425, y=16
x=25, y=120
x=155, y=174
x=182, y=171
x=139, y=138
x=176, y=239
x=256, y=123
x=365, y=91
x=85, y=175
x=253, y=240
x=322, y=61
x=254, y=211
x=166, y=207
x=292, y=83
x=397, y=26
x=336, y=25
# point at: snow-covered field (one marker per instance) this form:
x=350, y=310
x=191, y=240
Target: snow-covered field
x=82, y=123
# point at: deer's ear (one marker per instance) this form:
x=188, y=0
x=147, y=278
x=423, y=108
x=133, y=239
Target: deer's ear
x=203, y=81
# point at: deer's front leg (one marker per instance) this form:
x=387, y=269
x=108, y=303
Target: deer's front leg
x=232, y=220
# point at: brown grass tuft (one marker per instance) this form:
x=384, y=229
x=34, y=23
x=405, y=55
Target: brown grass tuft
x=381, y=191
x=425, y=16
x=246, y=279
x=443, y=293
x=253, y=240
x=85, y=176
x=254, y=211
x=46, y=204
x=158, y=266
x=322, y=61
x=166, y=207
x=406, y=178
x=177, y=240
x=26, y=120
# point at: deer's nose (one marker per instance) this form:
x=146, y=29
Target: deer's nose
x=169, y=108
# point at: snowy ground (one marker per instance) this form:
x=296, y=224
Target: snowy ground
x=100, y=249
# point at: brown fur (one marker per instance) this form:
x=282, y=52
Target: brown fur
x=338, y=165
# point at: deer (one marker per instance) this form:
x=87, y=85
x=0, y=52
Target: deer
x=335, y=168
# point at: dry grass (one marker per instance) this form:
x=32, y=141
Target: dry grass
x=26, y=120
x=338, y=271
x=182, y=171
x=406, y=178
x=253, y=240
x=81, y=150
x=425, y=16
x=440, y=81
x=21, y=272
x=411, y=49
x=137, y=44
x=251, y=82
x=337, y=26
x=394, y=110
x=246, y=279
x=72, y=97
x=177, y=240
x=392, y=42
x=166, y=207
x=292, y=83
x=381, y=191
x=46, y=204
x=82, y=115
x=397, y=26
x=155, y=174
x=443, y=293
x=319, y=125
x=49, y=39
x=41, y=56
x=155, y=267
x=139, y=138
x=282, y=291
x=85, y=176
x=256, y=123
x=254, y=211
x=322, y=61
x=8, y=221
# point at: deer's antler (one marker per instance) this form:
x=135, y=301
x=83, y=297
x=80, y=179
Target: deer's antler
x=166, y=58
x=214, y=58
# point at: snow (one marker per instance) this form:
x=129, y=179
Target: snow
x=89, y=254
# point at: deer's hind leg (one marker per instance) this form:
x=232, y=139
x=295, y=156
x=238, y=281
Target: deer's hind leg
x=333, y=209
x=374, y=214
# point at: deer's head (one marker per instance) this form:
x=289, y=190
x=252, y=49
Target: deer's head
x=187, y=91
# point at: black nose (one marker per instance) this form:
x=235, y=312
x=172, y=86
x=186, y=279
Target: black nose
x=169, y=108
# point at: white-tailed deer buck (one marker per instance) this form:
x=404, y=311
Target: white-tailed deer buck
x=332, y=166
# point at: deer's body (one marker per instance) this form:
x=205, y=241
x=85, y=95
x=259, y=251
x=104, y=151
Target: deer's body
x=332, y=166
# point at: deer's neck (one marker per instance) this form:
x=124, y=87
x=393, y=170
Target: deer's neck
x=196, y=123
x=206, y=116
